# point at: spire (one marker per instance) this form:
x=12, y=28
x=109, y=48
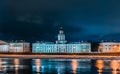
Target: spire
x=61, y=28
x=61, y=36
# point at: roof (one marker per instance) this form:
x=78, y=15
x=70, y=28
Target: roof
x=2, y=42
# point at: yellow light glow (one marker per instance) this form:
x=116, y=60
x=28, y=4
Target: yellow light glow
x=114, y=65
x=116, y=48
x=74, y=65
x=16, y=63
x=100, y=65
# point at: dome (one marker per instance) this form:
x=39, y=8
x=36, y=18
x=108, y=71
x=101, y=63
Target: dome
x=2, y=42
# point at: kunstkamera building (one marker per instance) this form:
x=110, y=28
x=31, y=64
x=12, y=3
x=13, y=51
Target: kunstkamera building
x=61, y=46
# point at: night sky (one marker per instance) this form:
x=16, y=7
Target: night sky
x=33, y=20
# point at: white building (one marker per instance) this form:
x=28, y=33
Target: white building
x=4, y=46
x=61, y=46
x=19, y=47
x=109, y=47
x=79, y=47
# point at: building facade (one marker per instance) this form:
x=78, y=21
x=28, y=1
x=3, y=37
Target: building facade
x=109, y=47
x=4, y=47
x=19, y=47
x=61, y=46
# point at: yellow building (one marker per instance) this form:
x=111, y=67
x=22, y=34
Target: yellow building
x=109, y=47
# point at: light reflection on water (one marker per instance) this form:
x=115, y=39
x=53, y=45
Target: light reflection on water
x=37, y=63
x=74, y=64
x=59, y=66
x=113, y=66
x=16, y=63
x=100, y=66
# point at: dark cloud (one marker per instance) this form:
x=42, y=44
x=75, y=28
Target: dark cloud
x=41, y=19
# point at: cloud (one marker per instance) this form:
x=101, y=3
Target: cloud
x=114, y=36
x=41, y=19
x=30, y=19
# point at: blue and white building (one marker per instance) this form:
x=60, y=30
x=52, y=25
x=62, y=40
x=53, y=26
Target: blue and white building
x=61, y=46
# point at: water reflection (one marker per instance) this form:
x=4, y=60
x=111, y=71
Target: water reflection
x=1, y=66
x=59, y=66
x=74, y=65
x=100, y=66
x=109, y=66
x=16, y=63
x=115, y=64
x=13, y=66
x=47, y=66
x=37, y=62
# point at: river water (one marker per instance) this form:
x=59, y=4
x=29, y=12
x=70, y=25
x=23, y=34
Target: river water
x=59, y=66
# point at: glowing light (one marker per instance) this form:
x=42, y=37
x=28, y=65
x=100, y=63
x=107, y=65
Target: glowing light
x=114, y=65
x=1, y=66
x=16, y=63
x=74, y=65
x=37, y=63
x=116, y=48
x=100, y=65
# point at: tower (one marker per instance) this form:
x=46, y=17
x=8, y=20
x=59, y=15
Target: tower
x=61, y=37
